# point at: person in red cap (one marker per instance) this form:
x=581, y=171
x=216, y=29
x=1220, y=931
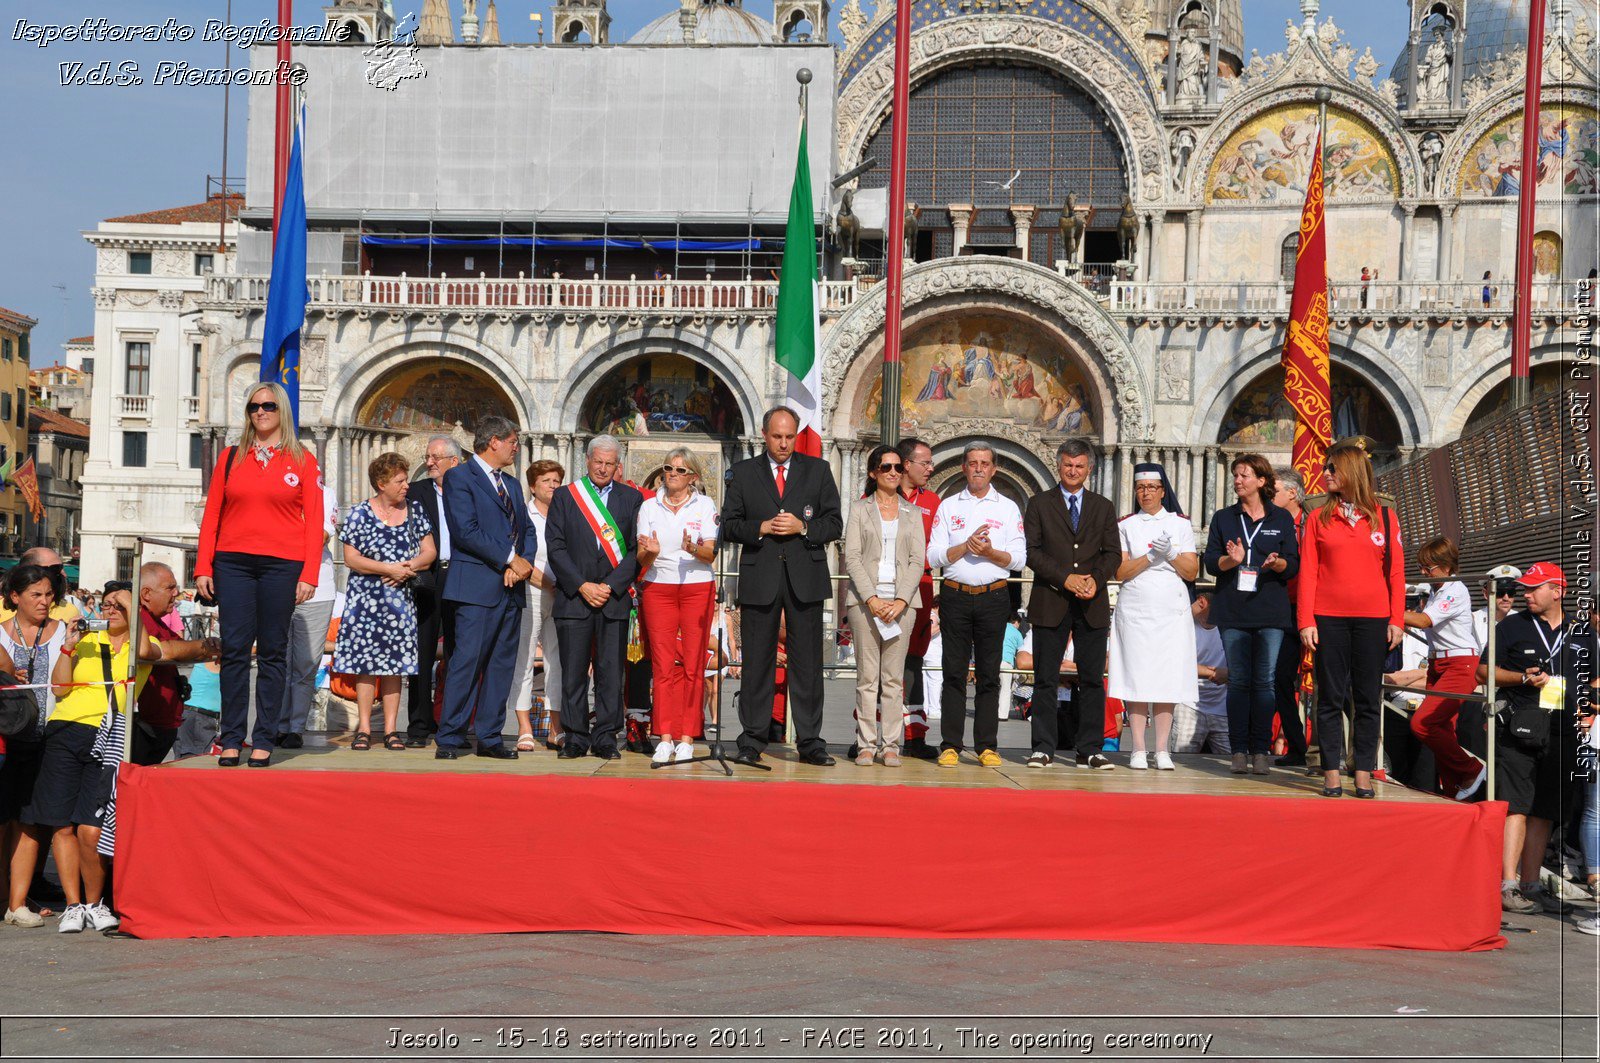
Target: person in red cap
x=1538, y=659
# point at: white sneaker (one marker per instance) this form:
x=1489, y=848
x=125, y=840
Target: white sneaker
x=74, y=919
x=1164, y=761
x=663, y=753
x=1138, y=760
x=24, y=917
x=683, y=751
x=101, y=917
x=1587, y=924
x=1467, y=791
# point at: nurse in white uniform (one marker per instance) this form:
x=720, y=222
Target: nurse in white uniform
x=1152, y=634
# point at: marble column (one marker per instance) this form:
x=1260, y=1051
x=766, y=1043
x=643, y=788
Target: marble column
x=1158, y=224
x=1408, y=267
x=1023, y=219
x=1447, y=215
x=960, y=220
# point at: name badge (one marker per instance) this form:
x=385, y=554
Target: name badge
x=1247, y=579
x=1553, y=695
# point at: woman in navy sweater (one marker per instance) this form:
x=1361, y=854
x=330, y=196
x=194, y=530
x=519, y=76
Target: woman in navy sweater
x=1253, y=553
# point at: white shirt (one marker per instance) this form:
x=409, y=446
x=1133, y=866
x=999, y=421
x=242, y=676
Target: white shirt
x=888, y=532
x=442, y=532
x=958, y=518
x=1452, y=634
x=1208, y=651
x=325, y=579
x=698, y=516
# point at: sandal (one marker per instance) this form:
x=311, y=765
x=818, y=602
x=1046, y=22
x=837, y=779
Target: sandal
x=525, y=744
x=363, y=740
x=394, y=740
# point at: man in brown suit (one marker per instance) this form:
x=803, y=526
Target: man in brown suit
x=1074, y=551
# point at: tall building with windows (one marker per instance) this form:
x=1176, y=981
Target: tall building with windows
x=15, y=329
x=584, y=235
x=142, y=475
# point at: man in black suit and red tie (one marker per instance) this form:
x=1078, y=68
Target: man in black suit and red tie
x=1074, y=551
x=592, y=523
x=783, y=508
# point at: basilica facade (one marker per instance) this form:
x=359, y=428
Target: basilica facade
x=583, y=235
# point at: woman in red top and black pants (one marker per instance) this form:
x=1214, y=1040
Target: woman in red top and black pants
x=1350, y=609
x=260, y=551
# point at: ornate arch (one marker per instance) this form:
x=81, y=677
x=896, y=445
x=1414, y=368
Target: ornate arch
x=1487, y=375
x=598, y=360
x=1491, y=112
x=866, y=98
x=1364, y=105
x=1386, y=377
x=1102, y=350
x=358, y=375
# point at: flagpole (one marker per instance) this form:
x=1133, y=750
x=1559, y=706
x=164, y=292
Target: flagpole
x=895, y=230
x=284, y=116
x=1527, y=200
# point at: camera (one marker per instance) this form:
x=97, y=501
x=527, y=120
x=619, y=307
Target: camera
x=89, y=624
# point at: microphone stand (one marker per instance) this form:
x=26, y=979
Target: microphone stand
x=715, y=750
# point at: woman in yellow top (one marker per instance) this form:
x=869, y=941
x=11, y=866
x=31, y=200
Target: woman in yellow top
x=73, y=786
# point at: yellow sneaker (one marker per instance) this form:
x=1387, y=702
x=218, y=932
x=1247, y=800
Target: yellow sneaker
x=949, y=758
x=989, y=758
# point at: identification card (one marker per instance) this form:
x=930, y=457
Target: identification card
x=1553, y=695
x=1247, y=580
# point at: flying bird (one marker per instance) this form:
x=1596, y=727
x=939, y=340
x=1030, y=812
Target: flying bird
x=1007, y=186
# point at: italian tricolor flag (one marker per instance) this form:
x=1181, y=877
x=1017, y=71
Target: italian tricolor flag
x=795, y=334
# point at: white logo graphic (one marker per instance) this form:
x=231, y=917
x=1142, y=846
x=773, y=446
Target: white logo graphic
x=393, y=61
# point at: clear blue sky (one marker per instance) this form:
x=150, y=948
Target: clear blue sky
x=80, y=154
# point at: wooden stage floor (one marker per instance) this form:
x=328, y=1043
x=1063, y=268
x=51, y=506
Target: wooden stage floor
x=1195, y=774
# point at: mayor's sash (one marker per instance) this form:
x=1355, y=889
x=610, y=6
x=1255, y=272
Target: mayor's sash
x=601, y=522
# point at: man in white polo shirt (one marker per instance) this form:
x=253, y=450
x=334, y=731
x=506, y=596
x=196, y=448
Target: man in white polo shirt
x=977, y=540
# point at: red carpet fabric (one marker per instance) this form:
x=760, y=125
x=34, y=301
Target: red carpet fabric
x=250, y=853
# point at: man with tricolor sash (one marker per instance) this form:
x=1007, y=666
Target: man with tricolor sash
x=592, y=523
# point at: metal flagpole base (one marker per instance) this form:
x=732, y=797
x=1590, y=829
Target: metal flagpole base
x=717, y=753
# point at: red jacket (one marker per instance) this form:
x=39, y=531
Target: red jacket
x=1341, y=570
x=270, y=512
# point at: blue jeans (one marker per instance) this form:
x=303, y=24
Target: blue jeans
x=1252, y=686
x=1589, y=826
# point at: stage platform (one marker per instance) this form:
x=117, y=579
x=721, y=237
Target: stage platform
x=335, y=841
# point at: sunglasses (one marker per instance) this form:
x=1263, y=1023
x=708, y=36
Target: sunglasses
x=678, y=469
x=59, y=566
x=117, y=585
x=886, y=467
x=261, y=407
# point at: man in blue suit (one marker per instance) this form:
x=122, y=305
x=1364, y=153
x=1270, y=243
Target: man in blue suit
x=489, y=529
x=590, y=537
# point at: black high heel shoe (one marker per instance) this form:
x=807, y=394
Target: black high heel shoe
x=1335, y=791
x=1365, y=794
x=260, y=762
x=228, y=762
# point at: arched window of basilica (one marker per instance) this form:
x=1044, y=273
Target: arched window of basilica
x=1004, y=134
x=662, y=394
x=1291, y=247
x=1260, y=418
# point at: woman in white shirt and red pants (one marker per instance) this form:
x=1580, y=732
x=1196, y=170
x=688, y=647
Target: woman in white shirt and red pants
x=1452, y=666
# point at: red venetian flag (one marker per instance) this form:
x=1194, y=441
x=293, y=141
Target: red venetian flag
x=1305, y=354
x=27, y=481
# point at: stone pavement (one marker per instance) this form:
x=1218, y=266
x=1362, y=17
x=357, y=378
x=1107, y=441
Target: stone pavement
x=526, y=996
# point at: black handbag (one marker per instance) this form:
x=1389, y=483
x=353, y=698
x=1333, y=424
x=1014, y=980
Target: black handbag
x=19, y=709
x=1528, y=728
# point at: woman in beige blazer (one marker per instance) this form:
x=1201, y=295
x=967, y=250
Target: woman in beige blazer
x=883, y=556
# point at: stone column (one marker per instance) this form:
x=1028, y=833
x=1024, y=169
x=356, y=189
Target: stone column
x=960, y=220
x=1408, y=267
x=1191, y=249
x=1023, y=218
x=1158, y=223
x=1447, y=213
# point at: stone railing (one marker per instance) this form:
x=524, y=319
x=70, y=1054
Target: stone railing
x=524, y=294
x=1404, y=299
x=139, y=406
x=191, y=407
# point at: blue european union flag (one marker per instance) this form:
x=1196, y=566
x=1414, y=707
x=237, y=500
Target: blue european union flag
x=289, y=293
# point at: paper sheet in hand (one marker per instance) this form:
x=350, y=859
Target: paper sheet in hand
x=887, y=631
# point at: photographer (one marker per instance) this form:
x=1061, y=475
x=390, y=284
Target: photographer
x=160, y=707
x=1538, y=657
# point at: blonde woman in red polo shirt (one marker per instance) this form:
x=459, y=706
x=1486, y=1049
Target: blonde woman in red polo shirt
x=260, y=552
x=1351, y=609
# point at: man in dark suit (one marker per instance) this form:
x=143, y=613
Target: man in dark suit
x=434, y=614
x=1074, y=551
x=488, y=525
x=587, y=535
x=783, y=508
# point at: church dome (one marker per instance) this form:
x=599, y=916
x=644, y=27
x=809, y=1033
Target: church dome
x=721, y=22
x=1230, y=21
x=1494, y=27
